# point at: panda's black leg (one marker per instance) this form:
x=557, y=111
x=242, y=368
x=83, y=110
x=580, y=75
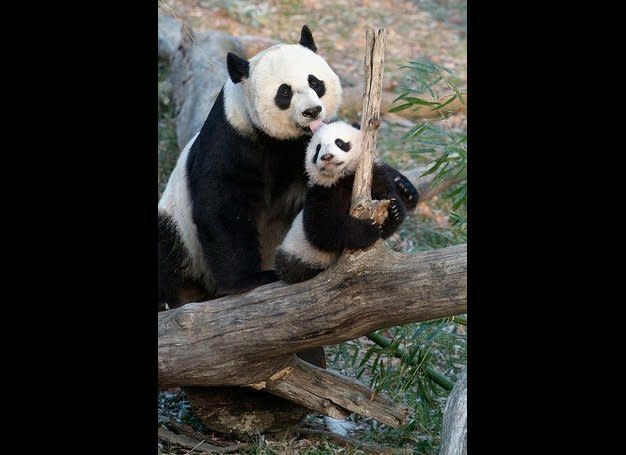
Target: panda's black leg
x=292, y=269
x=170, y=257
x=314, y=356
x=255, y=280
x=359, y=234
x=232, y=254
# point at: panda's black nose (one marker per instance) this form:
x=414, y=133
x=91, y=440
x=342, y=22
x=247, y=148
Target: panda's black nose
x=312, y=112
x=326, y=157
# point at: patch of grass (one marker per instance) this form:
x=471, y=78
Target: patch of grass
x=436, y=345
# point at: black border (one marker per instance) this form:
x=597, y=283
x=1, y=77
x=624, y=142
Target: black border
x=87, y=180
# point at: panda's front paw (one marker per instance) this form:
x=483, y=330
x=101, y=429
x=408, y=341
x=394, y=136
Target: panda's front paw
x=395, y=216
x=379, y=227
x=364, y=236
x=407, y=191
x=395, y=211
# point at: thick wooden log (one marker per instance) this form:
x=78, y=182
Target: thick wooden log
x=197, y=446
x=244, y=339
x=243, y=412
x=331, y=393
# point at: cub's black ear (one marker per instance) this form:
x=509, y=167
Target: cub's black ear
x=238, y=68
x=356, y=125
x=306, y=39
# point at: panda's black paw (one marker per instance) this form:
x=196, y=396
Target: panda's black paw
x=366, y=235
x=407, y=191
x=395, y=211
x=379, y=227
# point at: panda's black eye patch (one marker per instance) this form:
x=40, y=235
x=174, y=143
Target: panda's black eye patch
x=283, y=96
x=345, y=146
x=317, y=152
x=317, y=85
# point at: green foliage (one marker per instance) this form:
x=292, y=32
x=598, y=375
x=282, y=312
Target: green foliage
x=416, y=364
x=435, y=86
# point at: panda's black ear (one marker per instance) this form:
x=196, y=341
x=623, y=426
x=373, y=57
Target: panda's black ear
x=356, y=125
x=238, y=68
x=306, y=39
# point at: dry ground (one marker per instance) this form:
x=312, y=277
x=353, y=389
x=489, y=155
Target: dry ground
x=435, y=30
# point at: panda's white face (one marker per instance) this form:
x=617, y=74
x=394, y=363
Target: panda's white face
x=287, y=86
x=334, y=151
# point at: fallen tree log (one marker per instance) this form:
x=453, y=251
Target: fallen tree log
x=246, y=339
x=332, y=394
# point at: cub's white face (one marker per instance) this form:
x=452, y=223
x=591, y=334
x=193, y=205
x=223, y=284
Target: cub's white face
x=289, y=87
x=334, y=151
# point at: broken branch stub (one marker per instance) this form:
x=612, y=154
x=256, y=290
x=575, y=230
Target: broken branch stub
x=363, y=206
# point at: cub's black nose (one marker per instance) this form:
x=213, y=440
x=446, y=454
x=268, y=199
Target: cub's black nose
x=327, y=157
x=312, y=112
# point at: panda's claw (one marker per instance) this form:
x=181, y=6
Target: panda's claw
x=394, y=210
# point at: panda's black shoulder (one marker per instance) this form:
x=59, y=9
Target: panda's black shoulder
x=218, y=137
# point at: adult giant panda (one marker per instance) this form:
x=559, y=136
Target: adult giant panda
x=239, y=183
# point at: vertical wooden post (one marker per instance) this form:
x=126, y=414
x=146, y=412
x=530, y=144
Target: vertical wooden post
x=362, y=204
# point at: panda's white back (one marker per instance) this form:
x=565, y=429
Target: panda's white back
x=175, y=203
x=298, y=245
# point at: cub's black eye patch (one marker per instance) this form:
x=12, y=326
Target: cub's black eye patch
x=317, y=152
x=317, y=85
x=345, y=146
x=283, y=96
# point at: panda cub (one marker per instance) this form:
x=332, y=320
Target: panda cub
x=324, y=227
